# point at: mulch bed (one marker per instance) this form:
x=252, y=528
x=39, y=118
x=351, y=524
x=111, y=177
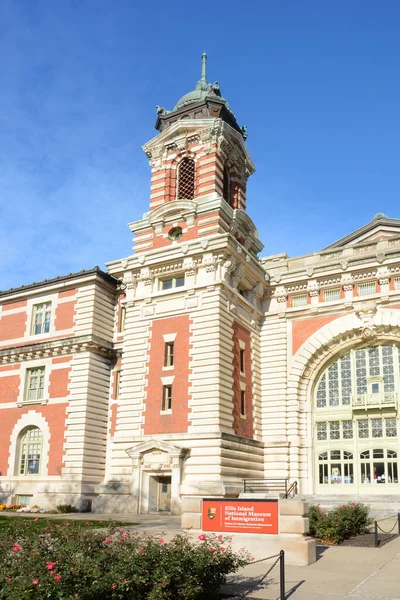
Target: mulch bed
x=367, y=540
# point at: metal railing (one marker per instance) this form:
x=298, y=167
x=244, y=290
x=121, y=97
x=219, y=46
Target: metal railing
x=378, y=529
x=265, y=486
x=375, y=400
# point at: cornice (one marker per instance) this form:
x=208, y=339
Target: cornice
x=61, y=347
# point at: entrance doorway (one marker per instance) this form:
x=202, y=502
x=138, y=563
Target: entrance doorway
x=160, y=494
x=164, y=494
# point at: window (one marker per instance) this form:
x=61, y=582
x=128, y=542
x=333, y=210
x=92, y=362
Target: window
x=241, y=360
x=175, y=234
x=397, y=283
x=30, y=451
x=299, y=300
x=24, y=499
x=41, y=318
x=334, y=430
x=362, y=376
x=242, y=402
x=379, y=466
x=35, y=384
x=227, y=186
x=321, y=431
x=117, y=383
x=366, y=289
x=363, y=429
x=391, y=427
x=173, y=282
x=122, y=316
x=336, y=467
x=332, y=294
x=186, y=176
x=169, y=354
x=167, y=398
x=347, y=428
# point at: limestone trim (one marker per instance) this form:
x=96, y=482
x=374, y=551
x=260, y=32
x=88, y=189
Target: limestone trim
x=63, y=346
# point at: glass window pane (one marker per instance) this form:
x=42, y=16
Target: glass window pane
x=348, y=476
x=336, y=473
x=321, y=431
x=323, y=473
x=377, y=428
x=335, y=455
x=363, y=428
x=391, y=427
x=347, y=430
x=167, y=284
x=379, y=453
x=180, y=281
x=334, y=430
x=365, y=472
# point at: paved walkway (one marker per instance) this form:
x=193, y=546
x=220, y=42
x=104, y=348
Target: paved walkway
x=340, y=573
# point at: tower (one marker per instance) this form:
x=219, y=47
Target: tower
x=187, y=415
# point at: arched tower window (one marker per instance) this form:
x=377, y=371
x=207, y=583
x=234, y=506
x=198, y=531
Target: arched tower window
x=30, y=451
x=227, y=186
x=186, y=174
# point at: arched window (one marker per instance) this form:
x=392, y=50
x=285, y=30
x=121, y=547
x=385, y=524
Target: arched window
x=186, y=174
x=30, y=451
x=362, y=378
x=379, y=466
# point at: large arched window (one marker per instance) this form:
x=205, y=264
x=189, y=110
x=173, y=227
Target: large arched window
x=186, y=179
x=363, y=377
x=30, y=451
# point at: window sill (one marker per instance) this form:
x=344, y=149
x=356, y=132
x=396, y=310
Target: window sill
x=244, y=417
x=32, y=402
x=171, y=368
x=166, y=412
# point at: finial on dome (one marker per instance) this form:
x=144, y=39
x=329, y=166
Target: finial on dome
x=203, y=67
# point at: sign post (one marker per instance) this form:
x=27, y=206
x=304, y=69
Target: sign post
x=240, y=515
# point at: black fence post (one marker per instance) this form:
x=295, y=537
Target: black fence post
x=282, y=574
x=376, y=534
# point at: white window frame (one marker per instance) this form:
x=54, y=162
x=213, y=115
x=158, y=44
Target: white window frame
x=166, y=382
x=22, y=444
x=296, y=297
x=173, y=285
x=366, y=288
x=330, y=291
x=31, y=303
x=35, y=364
x=44, y=311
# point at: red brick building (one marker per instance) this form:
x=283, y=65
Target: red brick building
x=193, y=363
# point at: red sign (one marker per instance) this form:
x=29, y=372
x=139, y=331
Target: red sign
x=240, y=516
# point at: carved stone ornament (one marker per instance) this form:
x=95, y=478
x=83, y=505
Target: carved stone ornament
x=366, y=313
x=347, y=282
x=281, y=293
x=190, y=267
x=145, y=276
x=230, y=265
x=258, y=290
x=238, y=274
x=383, y=276
x=313, y=289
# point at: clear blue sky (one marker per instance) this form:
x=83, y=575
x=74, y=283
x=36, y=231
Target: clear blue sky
x=315, y=81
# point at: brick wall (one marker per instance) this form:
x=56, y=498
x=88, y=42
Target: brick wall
x=177, y=421
x=302, y=330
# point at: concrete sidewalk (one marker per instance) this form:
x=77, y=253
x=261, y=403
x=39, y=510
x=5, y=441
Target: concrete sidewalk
x=340, y=573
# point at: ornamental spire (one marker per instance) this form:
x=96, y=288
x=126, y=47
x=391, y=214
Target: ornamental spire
x=202, y=83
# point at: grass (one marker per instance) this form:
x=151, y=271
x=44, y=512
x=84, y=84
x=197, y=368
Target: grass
x=43, y=521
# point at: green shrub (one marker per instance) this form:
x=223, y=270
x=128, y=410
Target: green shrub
x=64, y=562
x=340, y=523
x=66, y=508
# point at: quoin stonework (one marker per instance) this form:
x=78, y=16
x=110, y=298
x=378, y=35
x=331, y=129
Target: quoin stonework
x=197, y=362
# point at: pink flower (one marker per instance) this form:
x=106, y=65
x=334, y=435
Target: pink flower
x=9, y=579
x=108, y=540
x=122, y=530
x=222, y=549
x=220, y=537
x=113, y=586
x=52, y=572
x=36, y=519
x=57, y=577
x=125, y=536
x=88, y=523
x=35, y=581
x=252, y=558
x=202, y=537
x=50, y=565
x=16, y=547
x=67, y=524
x=212, y=549
x=160, y=541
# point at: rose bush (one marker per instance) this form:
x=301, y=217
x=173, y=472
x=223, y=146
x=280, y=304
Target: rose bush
x=69, y=563
x=340, y=523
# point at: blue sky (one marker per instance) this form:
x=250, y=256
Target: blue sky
x=315, y=81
